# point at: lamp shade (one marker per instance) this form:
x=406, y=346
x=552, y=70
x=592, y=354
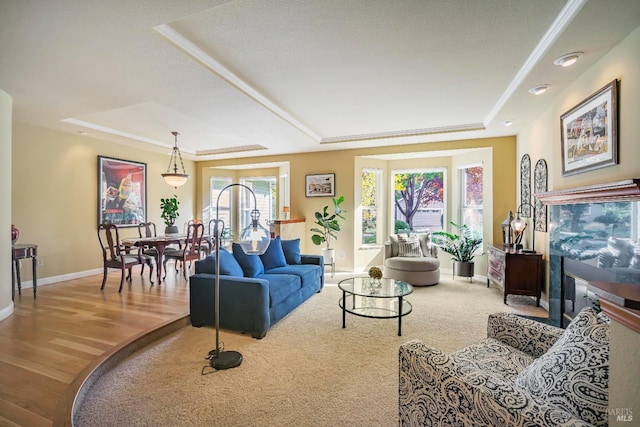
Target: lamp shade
x=254, y=239
x=518, y=224
x=175, y=179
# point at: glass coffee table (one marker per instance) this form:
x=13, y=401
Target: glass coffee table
x=383, y=301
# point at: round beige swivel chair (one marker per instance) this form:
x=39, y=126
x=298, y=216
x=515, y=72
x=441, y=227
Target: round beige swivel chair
x=413, y=259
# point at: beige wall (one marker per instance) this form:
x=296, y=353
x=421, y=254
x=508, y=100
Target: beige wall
x=542, y=140
x=54, y=197
x=343, y=164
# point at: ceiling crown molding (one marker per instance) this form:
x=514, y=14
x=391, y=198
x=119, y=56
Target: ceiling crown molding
x=404, y=133
x=229, y=150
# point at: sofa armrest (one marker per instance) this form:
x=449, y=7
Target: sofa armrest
x=387, y=249
x=314, y=260
x=435, y=390
x=244, y=302
x=527, y=335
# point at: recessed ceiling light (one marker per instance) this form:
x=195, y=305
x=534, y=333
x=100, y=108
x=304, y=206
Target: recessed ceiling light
x=539, y=90
x=568, y=59
x=507, y=123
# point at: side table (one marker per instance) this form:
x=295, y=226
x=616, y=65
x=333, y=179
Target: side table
x=23, y=251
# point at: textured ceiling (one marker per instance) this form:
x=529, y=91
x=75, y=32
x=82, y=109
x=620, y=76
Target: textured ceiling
x=262, y=77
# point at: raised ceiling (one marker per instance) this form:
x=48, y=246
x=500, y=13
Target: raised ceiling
x=254, y=77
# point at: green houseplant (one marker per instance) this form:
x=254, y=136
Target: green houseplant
x=169, y=207
x=328, y=223
x=462, y=248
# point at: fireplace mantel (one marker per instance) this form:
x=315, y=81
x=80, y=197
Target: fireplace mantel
x=621, y=191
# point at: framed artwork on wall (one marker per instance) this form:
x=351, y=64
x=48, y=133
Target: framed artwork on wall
x=320, y=185
x=122, y=192
x=525, y=186
x=540, y=186
x=589, y=132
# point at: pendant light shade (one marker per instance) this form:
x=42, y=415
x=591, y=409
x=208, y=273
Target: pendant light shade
x=174, y=178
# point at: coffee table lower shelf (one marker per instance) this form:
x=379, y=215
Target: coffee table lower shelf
x=375, y=308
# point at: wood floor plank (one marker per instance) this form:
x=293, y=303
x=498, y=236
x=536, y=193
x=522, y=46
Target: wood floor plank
x=48, y=342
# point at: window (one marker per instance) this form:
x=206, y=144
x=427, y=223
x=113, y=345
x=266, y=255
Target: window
x=418, y=200
x=370, y=204
x=265, y=190
x=472, y=199
x=216, y=184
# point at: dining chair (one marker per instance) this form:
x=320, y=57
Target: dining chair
x=147, y=229
x=206, y=246
x=212, y=233
x=191, y=251
x=116, y=255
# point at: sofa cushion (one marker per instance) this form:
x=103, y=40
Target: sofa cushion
x=409, y=249
x=228, y=264
x=428, y=249
x=251, y=264
x=280, y=286
x=393, y=238
x=273, y=257
x=291, y=250
x=309, y=274
x=491, y=358
x=412, y=264
x=574, y=373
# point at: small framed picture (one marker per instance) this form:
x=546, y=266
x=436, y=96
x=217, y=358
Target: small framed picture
x=321, y=185
x=122, y=192
x=589, y=132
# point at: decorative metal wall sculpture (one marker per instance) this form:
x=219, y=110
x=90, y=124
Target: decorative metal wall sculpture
x=540, y=186
x=525, y=186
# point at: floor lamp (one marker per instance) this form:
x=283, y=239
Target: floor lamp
x=254, y=240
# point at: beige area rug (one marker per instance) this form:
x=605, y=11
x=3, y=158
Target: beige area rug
x=307, y=371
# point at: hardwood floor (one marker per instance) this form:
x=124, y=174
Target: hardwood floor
x=50, y=344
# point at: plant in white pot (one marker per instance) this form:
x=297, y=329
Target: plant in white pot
x=328, y=226
x=169, y=207
x=462, y=248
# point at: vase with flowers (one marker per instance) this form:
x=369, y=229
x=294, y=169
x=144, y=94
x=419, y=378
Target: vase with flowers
x=375, y=274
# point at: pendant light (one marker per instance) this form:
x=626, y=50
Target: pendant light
x=174, y=178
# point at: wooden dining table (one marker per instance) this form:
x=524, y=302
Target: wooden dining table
x=160, y=243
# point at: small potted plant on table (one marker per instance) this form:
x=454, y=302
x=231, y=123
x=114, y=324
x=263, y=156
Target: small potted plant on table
x=169, y=207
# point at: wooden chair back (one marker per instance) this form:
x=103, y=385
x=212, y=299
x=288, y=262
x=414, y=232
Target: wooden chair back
x=147, y=229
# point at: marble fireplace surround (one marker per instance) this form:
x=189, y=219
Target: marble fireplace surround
x=579, y=249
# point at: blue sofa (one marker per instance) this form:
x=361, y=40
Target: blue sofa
x=255, y=291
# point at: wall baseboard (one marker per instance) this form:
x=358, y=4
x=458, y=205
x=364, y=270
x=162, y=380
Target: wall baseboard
x=64, y=277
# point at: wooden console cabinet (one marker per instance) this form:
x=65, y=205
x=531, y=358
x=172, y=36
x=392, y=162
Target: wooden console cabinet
x=517, y=272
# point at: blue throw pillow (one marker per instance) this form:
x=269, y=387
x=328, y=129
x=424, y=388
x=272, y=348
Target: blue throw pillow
x=251, y=264
x=273, y=256
x=228, y=264
x=291, y=250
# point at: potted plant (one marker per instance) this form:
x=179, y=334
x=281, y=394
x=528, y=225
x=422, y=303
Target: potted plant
x=328, y=226
x=462, y=248
x=169, y=207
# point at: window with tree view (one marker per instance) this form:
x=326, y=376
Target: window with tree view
x=370, y=204
x=471, y=203
x=418, y=200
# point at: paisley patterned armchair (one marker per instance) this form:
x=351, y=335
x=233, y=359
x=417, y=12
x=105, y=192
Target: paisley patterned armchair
x=525, y=373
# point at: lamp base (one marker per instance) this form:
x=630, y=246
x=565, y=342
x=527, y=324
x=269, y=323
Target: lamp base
x=225, y=360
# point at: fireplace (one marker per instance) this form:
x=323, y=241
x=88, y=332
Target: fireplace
x=594, y=238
